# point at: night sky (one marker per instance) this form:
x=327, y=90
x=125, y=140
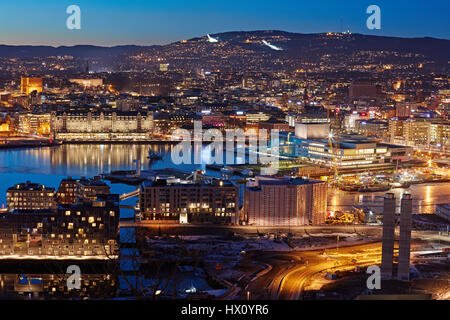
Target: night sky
x=146, y=22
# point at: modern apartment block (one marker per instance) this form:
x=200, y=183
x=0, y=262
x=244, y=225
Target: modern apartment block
x=420, y=132
x=215, y=201
x=30, y=196
x=67, y=191
x=91, y=188
x=270, y=201
x=87, y=228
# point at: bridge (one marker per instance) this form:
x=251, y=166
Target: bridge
x=129, y=195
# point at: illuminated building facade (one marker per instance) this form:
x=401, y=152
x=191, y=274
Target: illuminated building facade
x=30, y=196
x=285, y=202
x=67, y=191
x=88, y=82
x=71, y=190
x=352, y=152
x=28, y=85
x=189, y=202
x=54, y=285
x=35, y=123
x=102, y=126
x=420, y=132
x=85, y=229
x=91, y=188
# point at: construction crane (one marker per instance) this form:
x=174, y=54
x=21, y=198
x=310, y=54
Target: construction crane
x=330, y=140
x=333, y=157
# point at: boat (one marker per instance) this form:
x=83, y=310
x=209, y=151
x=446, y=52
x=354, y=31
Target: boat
x=374, y=188
x=349, y=187
x=152, y=155
x=404, y=185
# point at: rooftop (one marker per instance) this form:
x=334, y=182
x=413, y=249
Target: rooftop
x=29, y=186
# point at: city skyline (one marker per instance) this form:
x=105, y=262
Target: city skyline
x=306, y=160
x=141, y=23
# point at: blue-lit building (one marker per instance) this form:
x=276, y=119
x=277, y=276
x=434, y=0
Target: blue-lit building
x=347, y=152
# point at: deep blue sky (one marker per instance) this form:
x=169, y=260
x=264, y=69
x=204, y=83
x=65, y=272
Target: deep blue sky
x=146, y=22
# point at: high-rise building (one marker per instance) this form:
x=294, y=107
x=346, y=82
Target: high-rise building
x=273, y=201
x=404, y=249
x=387, y=255
x=28, y=85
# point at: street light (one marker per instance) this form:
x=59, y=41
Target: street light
x=337, y=244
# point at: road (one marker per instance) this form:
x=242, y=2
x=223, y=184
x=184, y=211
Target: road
x=292, y=271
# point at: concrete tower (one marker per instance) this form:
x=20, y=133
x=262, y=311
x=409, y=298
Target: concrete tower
x=405, y=238
x=387, y=253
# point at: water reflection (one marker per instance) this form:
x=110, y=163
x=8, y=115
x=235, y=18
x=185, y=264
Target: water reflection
x=48, y=281
x=425, y=198
x=50, y=165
